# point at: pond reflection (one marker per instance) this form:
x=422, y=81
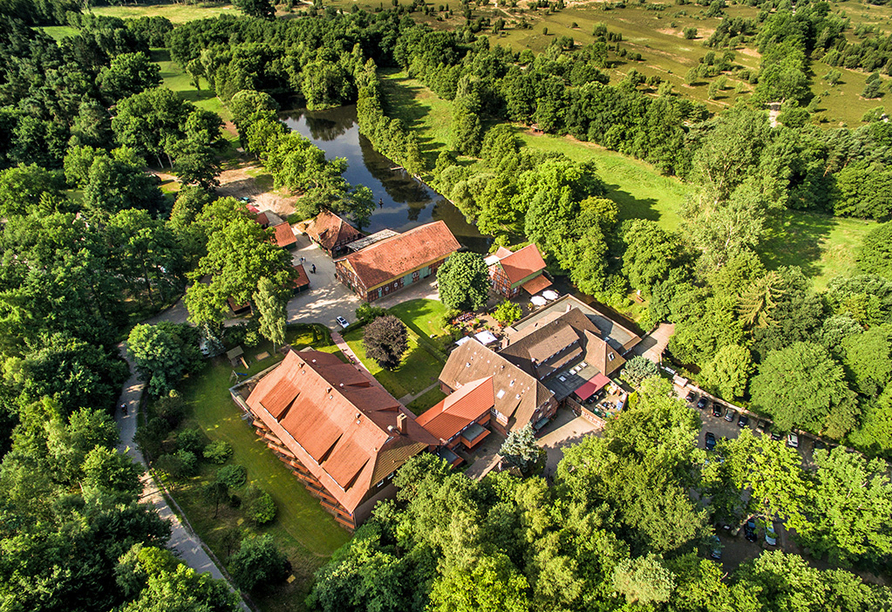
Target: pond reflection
x=403, y=201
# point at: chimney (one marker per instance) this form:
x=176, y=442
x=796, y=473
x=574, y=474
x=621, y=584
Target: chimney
x=401, y=423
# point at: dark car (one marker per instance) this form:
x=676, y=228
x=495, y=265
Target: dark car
x=777, y=436
x=715, y=547
x=717, y=410
x=820, y=445
x=761, y=426
x=710, y=440
x=749, y=530
x=702, y=403
x=691, y=397
x=743, y=420
x=729, y=416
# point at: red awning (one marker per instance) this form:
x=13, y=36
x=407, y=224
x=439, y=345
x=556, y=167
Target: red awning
x=591, y=386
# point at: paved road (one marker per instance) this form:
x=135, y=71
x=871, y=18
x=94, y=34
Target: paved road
x=185, y=544
x=326, y=298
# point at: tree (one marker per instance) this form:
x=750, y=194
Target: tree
x=643, y=580
x=521, y=450
x=772, y=472
x=729, y=371
x=637, y=369
x=163, y=353
x=850, y=504
x=258, y=563
x=195, y=163
x=128, y=74
x=271, y=310
x=875, y=253
x=262, y=9
x=803, y=386
x=216, y=492
x=25, y=189
x=759, y=300
x=492, y=584
x=507, y=312
x=109, y=471
x=261, y=506
x=651, y=253
x=867, y=358
x=463, y=281
x=239, y=254
x=385, y=340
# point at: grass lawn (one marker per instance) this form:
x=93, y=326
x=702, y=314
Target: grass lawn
x=302, y=529
x=418, y=371
x=177, y=13
x=822, y=245
x=59, y=32
x=419, y=405
x=175, y=78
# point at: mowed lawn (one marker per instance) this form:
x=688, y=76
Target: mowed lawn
x=175, y=78
x=302, y=529
x=423, y=361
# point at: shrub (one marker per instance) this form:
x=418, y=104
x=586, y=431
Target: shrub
x=262, y=508
x=191, y=441
x=367, y=313
x=690, y=33
x=218, y=451
x=257, y=563
x=178, y=465
x=233, y=476
x=507, y=312
x=637, y=369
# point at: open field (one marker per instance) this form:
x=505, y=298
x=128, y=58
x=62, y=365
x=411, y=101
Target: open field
x=177, y=13
x=823, y=245
x=302, y=529
x=175, y=78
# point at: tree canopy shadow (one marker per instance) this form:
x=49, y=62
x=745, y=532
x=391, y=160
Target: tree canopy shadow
x=631, y=207
x=796, y=238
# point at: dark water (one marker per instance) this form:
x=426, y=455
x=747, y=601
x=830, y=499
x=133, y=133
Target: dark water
x=407, y=203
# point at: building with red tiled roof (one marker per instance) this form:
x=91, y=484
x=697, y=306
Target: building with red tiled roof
x=302, y=282
x=518, y=397
x=332, y=233
x=523, y=269
x=284, y=236
x=393, y=263
x=341, y=433
x=461, y=418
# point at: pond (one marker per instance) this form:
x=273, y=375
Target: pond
x=404, y=202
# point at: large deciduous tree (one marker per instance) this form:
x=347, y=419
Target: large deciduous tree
x=463, y=281
x=163, y=353
x=651, y=252
x=875, y=253
x=803, y=386
x=271, y=310
x=385, y=340
x=258, y=563
x=729, y=371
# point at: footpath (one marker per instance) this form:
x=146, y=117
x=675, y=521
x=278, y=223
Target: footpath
x=183, y=542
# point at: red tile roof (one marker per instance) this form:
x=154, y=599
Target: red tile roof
x=284, y=236
x=522, y=263
x=302, y=279
x=397, y=256
x=459, y=409
x=262, y=219
x=536, y=284
x=339, y=425
x=329, y=230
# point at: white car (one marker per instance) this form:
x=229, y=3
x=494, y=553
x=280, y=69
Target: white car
x=770, y=536
x=342, y=322
x=793, y=440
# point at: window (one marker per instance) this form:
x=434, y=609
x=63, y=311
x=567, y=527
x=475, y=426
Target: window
x=610, y=356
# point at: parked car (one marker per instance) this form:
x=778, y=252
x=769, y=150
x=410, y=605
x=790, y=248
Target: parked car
x=792, y=440
x=691, y=397
x=703, y=402
x=717, y=410
x=777, y=436
x=342, y=322
x=819, y=445
x=770, y=536
x=761, y=426
x=710, y=440
x=743, y=420
x=715, y=547
x=749, y=530
x=729, y=416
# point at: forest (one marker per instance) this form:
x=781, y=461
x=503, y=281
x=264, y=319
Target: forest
x=91, y=245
